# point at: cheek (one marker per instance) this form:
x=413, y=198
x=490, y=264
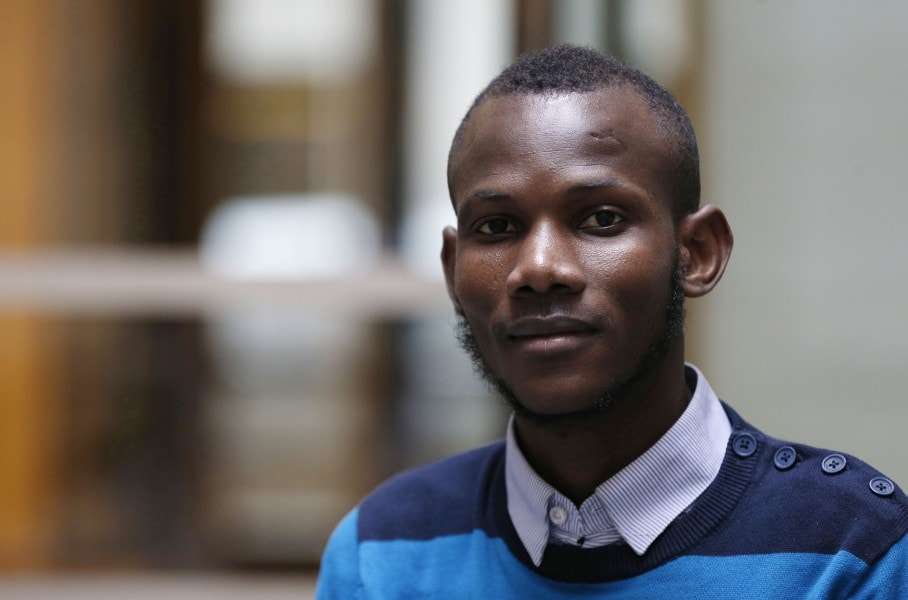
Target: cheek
x=634, y=275
x=478, y=282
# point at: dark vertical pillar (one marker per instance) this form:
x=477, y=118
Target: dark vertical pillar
x=392, y=67
x=165, y=103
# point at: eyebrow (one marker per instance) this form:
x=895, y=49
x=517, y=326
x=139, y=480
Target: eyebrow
x=598, y=184
x=578, y=188
x=481, y=195
x=487, y=195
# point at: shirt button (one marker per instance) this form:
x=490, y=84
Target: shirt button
x=833, y=463
x=744, y=445
x=785, y=457
x=557, y=515
x=882, y=486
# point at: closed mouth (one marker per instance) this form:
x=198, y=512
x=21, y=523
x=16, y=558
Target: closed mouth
x=529, y=328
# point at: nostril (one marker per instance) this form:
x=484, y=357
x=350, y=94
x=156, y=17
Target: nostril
x=544, y=286
x=561, y=288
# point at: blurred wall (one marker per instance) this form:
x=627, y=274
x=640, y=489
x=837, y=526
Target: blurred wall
x=803, y=137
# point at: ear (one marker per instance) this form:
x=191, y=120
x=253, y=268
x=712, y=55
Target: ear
x=449, y=262
x=705, y=241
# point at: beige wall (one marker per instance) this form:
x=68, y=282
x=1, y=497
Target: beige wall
x=804, y=146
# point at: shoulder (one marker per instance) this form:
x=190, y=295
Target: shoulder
x=808, y=499
x=433, y=500
x=339, y=572
x=833, y=500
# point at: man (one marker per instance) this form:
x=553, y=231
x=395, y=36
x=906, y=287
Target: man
x=575, y=182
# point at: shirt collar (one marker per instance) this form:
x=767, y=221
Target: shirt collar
x=644, y=497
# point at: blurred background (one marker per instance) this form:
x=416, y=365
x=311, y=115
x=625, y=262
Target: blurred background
x=222, y=320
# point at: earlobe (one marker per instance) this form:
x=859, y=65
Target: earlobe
x=706, y=241
x=449, y=263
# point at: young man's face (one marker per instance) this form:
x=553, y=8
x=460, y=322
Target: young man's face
x=565, y=248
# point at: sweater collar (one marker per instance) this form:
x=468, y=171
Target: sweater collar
x=639, y=502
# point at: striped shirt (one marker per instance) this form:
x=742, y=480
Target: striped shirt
x=636, y=504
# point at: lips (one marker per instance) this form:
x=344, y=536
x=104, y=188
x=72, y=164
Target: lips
x=556, y=326
x=545, y=336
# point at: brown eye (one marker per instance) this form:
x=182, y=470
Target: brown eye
x=496, y=226
x=601, y=219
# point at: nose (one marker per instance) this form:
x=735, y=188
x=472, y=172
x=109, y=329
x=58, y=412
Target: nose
x=546, y=263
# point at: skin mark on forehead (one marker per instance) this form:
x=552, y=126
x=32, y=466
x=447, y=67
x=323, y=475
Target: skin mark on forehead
x=568, y=122
x=607, y=142
x=520, y=119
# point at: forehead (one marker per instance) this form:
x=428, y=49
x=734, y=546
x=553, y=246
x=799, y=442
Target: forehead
x=539, y=139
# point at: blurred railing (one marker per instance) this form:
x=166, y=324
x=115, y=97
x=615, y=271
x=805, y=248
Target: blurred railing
x=164, y=282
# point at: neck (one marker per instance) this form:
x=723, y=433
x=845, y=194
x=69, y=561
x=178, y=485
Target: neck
x=576, y=457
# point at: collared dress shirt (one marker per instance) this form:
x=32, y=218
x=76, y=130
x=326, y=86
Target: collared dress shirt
x=637, y=503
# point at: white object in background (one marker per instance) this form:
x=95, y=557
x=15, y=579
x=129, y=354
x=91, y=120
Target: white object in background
x=280, y=41
x=288, y=237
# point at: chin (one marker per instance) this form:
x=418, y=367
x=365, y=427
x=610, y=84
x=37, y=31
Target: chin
x=557, y=399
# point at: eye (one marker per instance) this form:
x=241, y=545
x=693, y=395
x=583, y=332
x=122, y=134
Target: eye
x=496, y=226
x=602, y=219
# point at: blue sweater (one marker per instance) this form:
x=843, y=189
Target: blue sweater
x=757, y=532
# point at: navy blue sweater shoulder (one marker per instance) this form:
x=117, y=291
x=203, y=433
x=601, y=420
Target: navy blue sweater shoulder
x=752, y=507
x=804, y=509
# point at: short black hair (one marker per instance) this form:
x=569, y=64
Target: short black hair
x=567, y=69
